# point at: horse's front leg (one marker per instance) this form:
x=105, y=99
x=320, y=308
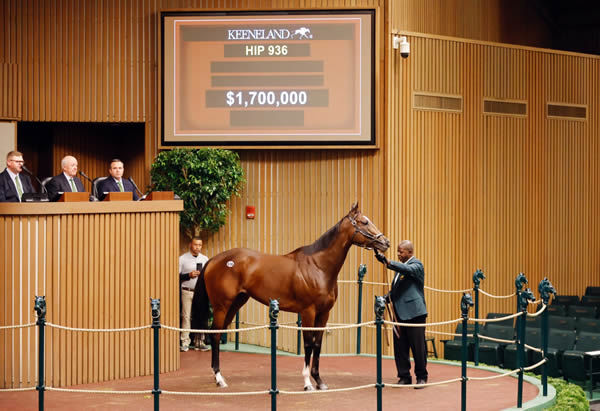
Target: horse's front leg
x=314, y=372
x=308, y=337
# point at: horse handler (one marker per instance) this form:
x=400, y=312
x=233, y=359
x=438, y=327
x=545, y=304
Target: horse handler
x=408, y=300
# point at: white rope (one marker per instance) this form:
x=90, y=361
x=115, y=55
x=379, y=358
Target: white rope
x=443, y=333
x=531, y=367
x=448, y=291
x=230, y=330
x=497, y=296
x=206, y=394
x=100, y=330
x=538, y=312
x=495, y=320
x=423, y=324
x=98, y=391
x=494, y=376
x=356, y=282
x=341, y=327
x=485, y=337
x=534, y=348
x=535, y=302
x=429, y=384
x=17, y=389
x=359, y=387
x=5, y=327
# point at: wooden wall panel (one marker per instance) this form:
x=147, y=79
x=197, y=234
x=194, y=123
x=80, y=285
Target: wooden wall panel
x=501, y=193
x=84, y=264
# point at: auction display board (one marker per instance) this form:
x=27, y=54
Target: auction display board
x=268, y=78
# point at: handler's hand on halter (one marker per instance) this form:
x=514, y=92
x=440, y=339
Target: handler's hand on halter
x=380, y=257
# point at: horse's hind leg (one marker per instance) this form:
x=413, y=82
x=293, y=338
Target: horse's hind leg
x=321, y=321
x=218, y=318
x=308, y=337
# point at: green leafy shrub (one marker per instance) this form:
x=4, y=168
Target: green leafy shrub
x=205, y=179
x=569, y=397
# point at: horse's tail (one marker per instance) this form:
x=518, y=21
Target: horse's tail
x=200, y=303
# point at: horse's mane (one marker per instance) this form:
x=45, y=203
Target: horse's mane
x=322, y=242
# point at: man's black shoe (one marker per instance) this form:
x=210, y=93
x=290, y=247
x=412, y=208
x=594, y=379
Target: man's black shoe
x=405, y=381
x=420, y=382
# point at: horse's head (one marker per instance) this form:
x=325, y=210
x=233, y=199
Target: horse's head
x=477, y=277
x=366, y=234
x=546, y=288
x=465, y=302
x=520, y=281
x=524, y=297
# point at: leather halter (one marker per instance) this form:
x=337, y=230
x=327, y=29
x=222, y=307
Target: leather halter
x=365, y=234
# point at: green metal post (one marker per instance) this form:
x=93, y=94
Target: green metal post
x=273, y=313
x=299, y=334
x=362, y=270
x=524, y=297
x=379, y=310
x=545, y=288
x=477, y=277
x=40, y=308
x=465, y=303
x=237, y=334
x=155, y=304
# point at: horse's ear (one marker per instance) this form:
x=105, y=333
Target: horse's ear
x=354, y=208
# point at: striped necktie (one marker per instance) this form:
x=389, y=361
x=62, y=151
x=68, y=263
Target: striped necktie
x=120, y=186
x=73, y=187
x=19, y=187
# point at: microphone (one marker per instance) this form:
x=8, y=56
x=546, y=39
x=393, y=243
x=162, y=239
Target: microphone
x=81, y=173
x=36, y=178
x=136, y=187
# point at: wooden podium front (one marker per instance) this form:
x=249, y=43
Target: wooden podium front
x=98, y=264
x=67, y=197
x=160, y=195
x=119, y=196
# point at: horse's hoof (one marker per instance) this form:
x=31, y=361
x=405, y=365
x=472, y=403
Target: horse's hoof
x=221, y=384
x=309, y=388
x=322, y=386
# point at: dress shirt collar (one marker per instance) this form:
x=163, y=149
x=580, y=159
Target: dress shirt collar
x=68, y=177
x=11, y=174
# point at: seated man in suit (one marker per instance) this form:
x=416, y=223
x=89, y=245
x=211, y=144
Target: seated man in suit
x=116, y=182
x=12, y=182
x=67, y=181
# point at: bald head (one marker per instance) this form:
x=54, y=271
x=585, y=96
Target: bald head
x=405, y=250
x=69, y=165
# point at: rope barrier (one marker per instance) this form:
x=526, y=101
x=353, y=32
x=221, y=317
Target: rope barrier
x=493, y=377
x=206, y=394
x=534, y=348
x=444, y=333
x=97, y=391
x=497, y=296
x=429, y=384
x=227, y=331
x=495, y=320
x=99, y=330
x=358, y=387
x=6, y=327
x=538, y=312
x=422, y=325
x=485, y=337
x=341, y=327
x=531, y=367
x=17, y=389
x=448, y=291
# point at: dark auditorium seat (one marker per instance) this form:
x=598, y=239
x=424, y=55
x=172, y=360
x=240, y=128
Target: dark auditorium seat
x=565, y=300
x=491, y=352
x=533, y=322
x=559, y=341
x=533, y=337
x=453, y=347
x=593, y=300
x=585, y=324
x=510, y=322
x=575, y=365
x=557, y=310
x=582, y=311
x=95, y=184
x=592, y=290
x=558, y=322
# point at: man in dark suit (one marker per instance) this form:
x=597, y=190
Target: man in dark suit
x=408, y=298
x=65, y=182
x=116, y=182
x=13, y=183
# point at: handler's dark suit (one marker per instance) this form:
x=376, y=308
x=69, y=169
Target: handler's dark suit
x=60, y=184
x=407, y=295
x=8, y=190
x=110, y=185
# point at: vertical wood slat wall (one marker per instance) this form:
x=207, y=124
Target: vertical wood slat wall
x=85, y=267
x=505, y=194
x=497, y=193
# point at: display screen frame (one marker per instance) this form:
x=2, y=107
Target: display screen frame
x=364, y=137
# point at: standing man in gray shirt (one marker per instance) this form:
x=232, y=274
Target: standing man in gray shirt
x=190, y=266
x=408, y=299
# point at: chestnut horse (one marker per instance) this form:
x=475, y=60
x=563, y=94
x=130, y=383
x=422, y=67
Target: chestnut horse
x=303, y=281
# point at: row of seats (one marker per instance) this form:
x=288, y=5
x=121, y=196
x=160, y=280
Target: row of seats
x=568, y=340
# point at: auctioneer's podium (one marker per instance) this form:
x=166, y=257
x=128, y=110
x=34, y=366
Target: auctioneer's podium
x=98, y=264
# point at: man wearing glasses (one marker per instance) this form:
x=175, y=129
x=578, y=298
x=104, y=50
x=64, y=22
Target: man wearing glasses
x=13, y=183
